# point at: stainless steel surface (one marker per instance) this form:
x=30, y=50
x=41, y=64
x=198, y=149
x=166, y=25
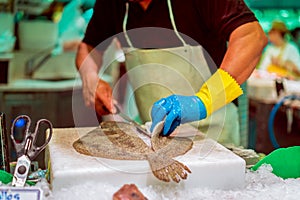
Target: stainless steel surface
x=37, y=60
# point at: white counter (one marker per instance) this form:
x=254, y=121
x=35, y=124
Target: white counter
x=212, y=166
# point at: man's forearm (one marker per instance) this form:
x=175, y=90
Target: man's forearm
x=88, y=62
x=87, y=59
x=244, y=50
x=245, y=47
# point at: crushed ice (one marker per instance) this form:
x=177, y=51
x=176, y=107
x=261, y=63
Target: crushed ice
x=260, y=184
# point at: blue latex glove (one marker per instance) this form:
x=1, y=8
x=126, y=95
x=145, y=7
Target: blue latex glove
x=176, y=110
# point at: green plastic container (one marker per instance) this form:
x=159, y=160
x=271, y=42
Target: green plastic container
x=284, y=161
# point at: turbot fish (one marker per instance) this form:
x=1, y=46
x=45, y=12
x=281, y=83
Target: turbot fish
x=120, y=141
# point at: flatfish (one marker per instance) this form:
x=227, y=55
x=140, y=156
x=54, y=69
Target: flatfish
x=119, y=140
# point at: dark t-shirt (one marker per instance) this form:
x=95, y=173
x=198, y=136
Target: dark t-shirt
x=205, y=22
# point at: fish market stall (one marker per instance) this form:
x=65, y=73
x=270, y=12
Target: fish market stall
x=216, y=173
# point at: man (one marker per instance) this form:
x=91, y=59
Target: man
x=210, y=23
x=281, y=57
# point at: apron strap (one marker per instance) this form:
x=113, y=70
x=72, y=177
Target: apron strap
x=171, y=18
x=173, y=23
x=124, y=25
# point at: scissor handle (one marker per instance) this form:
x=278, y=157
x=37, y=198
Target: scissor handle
x=35, y=150
x=19, y=146
x=27, y=145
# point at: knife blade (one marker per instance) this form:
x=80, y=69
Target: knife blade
x=138, y=127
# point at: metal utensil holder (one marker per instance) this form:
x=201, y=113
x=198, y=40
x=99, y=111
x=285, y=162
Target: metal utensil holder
x=4, y=153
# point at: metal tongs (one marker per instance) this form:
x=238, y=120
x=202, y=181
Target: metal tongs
x=27, y=149
x=125, y=117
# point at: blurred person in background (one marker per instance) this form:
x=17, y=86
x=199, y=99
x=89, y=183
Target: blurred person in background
x=296, y=36
x=281, y=57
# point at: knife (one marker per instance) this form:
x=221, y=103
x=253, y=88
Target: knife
x=138, y=127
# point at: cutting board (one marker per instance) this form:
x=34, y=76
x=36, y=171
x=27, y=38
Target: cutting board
x=212, y=165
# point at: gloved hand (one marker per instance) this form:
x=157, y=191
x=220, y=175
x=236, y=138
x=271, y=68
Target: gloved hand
x=284, y=161
x=220, y=89
x=176, y=110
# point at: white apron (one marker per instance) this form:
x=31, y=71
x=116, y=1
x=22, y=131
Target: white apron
x=158, y=73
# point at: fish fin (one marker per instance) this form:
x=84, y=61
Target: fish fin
x=167, y=169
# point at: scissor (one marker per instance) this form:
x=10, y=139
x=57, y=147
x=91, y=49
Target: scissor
x=27, y=149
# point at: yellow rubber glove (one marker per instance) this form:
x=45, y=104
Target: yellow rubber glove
x=220, y=89
x=216, y=92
